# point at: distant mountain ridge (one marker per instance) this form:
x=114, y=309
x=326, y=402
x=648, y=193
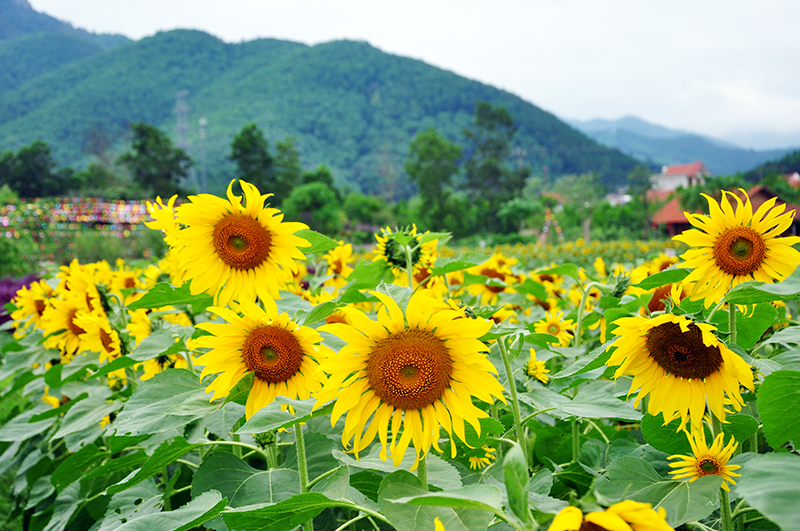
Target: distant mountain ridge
x=662, y=146
x=350, y=106
x=18, y=18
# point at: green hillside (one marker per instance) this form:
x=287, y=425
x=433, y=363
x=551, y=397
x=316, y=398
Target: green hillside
x=787, y=164
x=28, y=57
x=350, y=106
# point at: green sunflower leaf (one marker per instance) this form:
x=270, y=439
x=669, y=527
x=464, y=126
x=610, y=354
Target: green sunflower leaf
x=286, y=514
x=566, y=270
x=662, y=278
x=769, y=483
x=165, y=454
x=321, y=311
x=272, y=417
x=515, y=472
x=459, y=263
x=165, y=294
x=409, y=507
x=631, y=478
x=779, y=406
x=431, y=236
x=318, y=243
x=190, y=516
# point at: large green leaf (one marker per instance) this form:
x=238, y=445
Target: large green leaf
x=770, y=484
x=137, y=501
x=165, y=294
x=459, y=263
x=319, y=458
x=318, y=243
x=67, y=502
x=243, y=484
x=273, y=417
x=788, y=336
x=367, y=275
x=750, y=328
x=159, y=343
x=74, y=466
x=441, y=474
x=593, y=360
x=665, y=438
x=165, y=454
x=600, y=405
x=515, y=472
x=171, y=399
x=20, y=428
x=779, y=406
x=398, y=488
x=281, y=516
x=191, y=515
x=635, y=479
x=86, y=414
x=567, y=270
x=662, y=278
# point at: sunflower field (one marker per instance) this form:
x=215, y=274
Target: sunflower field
x=263, y=376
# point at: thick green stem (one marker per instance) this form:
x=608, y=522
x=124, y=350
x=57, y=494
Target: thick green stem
x=726, y=518
x=576, y=441
x=303, y=468
x=501, y=342
x=422, y=471
x=732, y=323
x=409, y=266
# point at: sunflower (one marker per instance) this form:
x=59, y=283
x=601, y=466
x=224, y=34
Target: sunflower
x=497, y=267
x=681, y=365
x=230, y=250
x=31, y=302
x=706, y=461
x=734, y=247
x=59, y=323
x=482, y=458
x=390, y=249
x=339, y=259
x=282, y=355
x=159, y=364
x=536, y=369
x=555, y=325
x=420, y=370
x=624, y=516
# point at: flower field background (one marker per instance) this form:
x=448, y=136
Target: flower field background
x=262, y=376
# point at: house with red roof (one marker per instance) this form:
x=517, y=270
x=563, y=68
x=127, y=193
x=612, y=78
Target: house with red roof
x=677, y=175
x=671, y=214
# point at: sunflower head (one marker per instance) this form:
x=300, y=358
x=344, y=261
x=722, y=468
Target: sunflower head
x=626, y=515
x=417, y=370
x=682, y=366
x=235, y=249
x=731, y=246
x=395, y=246
x=282, y=355
x=706, y=461
x=536, y=369
x=555, y=325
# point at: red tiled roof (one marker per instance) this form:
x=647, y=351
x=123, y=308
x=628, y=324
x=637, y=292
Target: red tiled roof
x=693, y=168
x=673, y=213
x=657, y=196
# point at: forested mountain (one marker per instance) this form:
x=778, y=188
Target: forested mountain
x=660, y=145
x=786, y=165
x=350, y=106
x=18, y=18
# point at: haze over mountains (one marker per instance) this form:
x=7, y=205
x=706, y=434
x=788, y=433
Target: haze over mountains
x=660, y=145
x=350, y=106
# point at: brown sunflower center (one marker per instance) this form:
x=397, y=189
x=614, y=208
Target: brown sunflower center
x=739, y=250
x=75, y=329
x=682, y=354
x=410, y=369
x=491, y=273
x=106, y=340
x=707, y=466
x=272, y=353
x=40, y=306
x=241, y=241
x=553, y=328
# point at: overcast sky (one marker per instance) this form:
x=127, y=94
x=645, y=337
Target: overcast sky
x=724, y=68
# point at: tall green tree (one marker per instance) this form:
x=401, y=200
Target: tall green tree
x=254, y=164
x=33, y=172
x=583, y=194
x=288, y=170
x=489, y=172
x=431, y=164
x=156, y=165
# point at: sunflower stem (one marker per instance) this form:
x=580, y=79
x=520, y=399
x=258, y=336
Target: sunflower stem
x=409, y=266
x=422, y=471
x=303, y=468
x=514, y=399
x=726, y=519
x=732, y=323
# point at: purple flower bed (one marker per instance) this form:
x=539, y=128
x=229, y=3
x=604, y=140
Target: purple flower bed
x=8, y=290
